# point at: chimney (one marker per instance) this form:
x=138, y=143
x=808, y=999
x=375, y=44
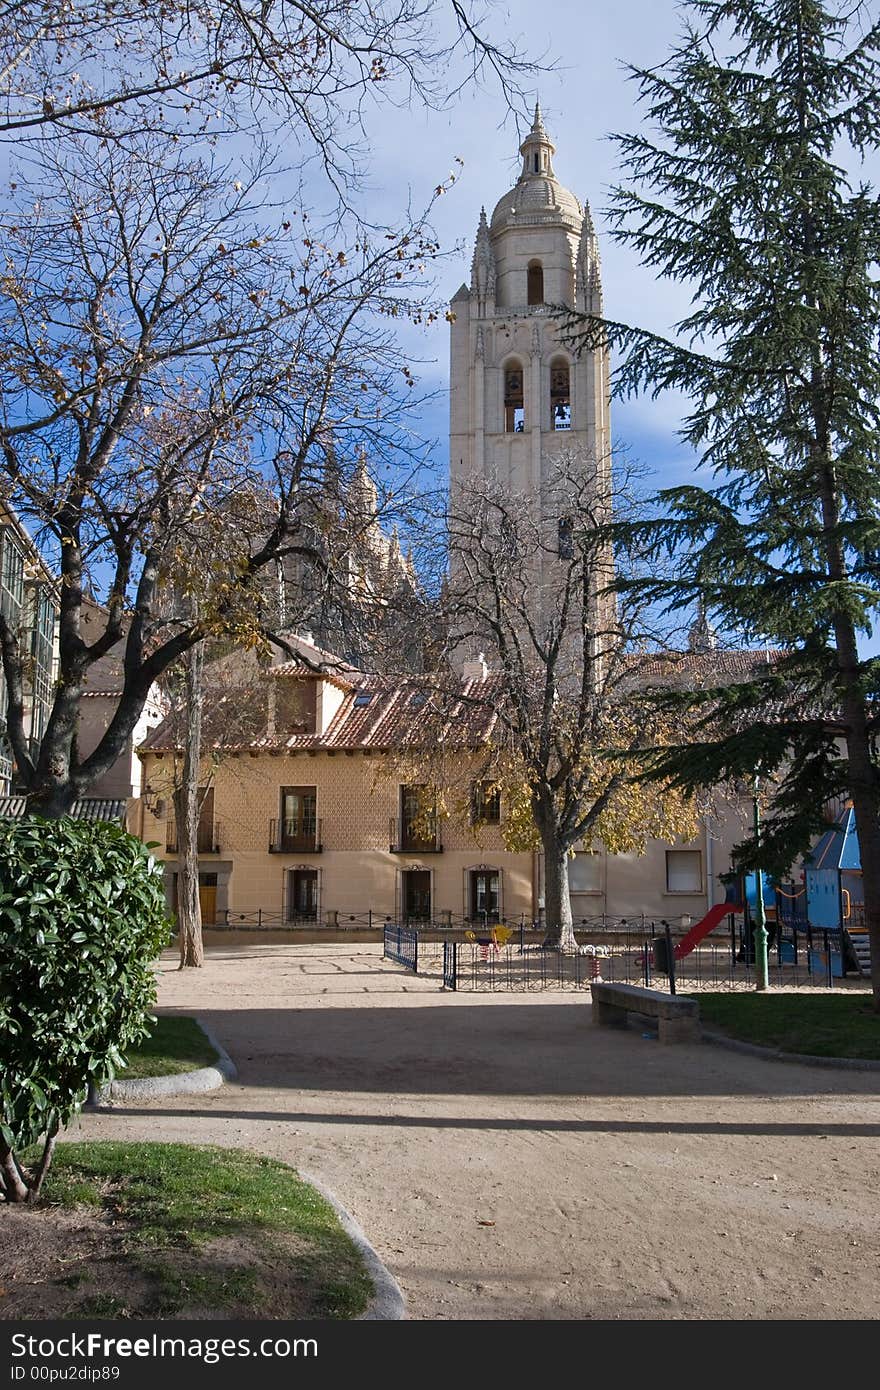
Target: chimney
x=476, y=670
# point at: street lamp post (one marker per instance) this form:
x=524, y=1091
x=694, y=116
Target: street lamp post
x=760, y=930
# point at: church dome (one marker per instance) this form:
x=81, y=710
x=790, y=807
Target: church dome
x=537, y=198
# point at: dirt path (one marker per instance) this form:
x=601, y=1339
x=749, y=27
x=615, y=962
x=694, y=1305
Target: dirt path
x=509, y=1161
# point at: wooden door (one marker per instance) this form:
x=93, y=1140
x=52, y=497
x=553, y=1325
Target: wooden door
x=208, y=902
x=303, y=890
x=417, y=894
x=207, y=896
x=484, y=893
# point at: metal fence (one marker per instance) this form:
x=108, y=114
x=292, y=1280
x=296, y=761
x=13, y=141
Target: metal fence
x=263, y=919
x=401, y=944
x=725, y=961
x=450, y=964
x=373, y=919
x=483, y=953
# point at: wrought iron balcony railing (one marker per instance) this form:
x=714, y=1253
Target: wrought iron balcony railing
x=301, y=836
x=209, y=838
x=405, y=838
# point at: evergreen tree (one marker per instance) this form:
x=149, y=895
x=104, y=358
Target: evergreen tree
x=741, y=191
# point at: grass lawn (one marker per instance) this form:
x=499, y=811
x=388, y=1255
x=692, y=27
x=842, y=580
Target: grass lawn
x=177, y=1044
x=178, y=1230
x=820, y=1025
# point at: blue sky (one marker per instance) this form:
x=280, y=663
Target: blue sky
x=583, y=100
x=586, y=98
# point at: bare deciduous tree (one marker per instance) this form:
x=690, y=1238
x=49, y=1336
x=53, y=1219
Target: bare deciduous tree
x=317, y=68
x=166, y=351
x=530, y=586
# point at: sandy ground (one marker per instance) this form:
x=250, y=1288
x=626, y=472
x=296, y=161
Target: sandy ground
x=509, y=1161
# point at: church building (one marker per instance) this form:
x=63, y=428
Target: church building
x=525, y=411
x=310, y=817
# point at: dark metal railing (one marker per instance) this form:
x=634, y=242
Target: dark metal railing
x=302, y=836
x=401, y=944
x=490, y=960
x=403, y=838
x=510, y=953
x=264, y=919
x=208, y=841
x=450, y=964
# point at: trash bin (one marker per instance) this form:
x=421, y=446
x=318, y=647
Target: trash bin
x=660, y=949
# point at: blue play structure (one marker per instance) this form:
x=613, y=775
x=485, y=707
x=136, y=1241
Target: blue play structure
x=835, y=897
x=833, y=874
x=822, y=915
x=751, y=893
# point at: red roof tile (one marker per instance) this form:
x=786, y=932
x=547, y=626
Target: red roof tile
x=394, y=717
x=407, y=712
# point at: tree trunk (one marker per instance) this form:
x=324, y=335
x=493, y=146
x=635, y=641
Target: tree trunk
x=557, y=903
x=52, y=802
x=189, y=910
x=862, y=775
x=12, y=1184
x=44, y=1164
x=863, y=789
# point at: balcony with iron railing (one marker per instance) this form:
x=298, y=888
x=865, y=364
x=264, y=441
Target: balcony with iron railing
x=208, y=841
x=301, y=836
x=405, y=838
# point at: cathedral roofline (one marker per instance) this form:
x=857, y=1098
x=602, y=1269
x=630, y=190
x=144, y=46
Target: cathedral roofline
x=537, y=198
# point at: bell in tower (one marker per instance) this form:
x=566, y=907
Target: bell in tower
x=520, y=399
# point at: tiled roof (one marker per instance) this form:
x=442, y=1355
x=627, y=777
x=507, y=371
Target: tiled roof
x=711, y=668
x=315, y=658
x=91, y=808
x=405, y=712
x=396, y=714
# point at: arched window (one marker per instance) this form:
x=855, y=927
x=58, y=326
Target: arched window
x=560, y=395
x=535, y=283
x=514, y=411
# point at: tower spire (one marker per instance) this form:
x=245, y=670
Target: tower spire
x=702, y=636
x=537, y=150
x=362, y=500
x=587, y=275
x=483, y=267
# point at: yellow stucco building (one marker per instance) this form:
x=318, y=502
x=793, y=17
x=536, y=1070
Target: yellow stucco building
x=310, y=818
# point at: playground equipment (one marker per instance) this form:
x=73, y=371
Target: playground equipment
x=835, y=893
x=702, y=929
x=823, y=915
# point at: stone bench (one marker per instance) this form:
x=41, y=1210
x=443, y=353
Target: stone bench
x=678, y=1020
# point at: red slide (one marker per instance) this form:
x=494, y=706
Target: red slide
x=703, y=927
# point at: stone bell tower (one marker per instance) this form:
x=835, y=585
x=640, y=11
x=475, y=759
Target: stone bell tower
x=519, y=396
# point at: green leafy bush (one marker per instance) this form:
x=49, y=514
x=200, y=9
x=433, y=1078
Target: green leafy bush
x=82, y=918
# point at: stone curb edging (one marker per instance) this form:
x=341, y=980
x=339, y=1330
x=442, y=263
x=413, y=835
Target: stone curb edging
x=182, y=1083
x=388, y=1303
x=773, y=1054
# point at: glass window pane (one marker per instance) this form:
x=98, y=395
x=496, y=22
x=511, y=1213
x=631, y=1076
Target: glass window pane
x=683, y=871
x=584, y=873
